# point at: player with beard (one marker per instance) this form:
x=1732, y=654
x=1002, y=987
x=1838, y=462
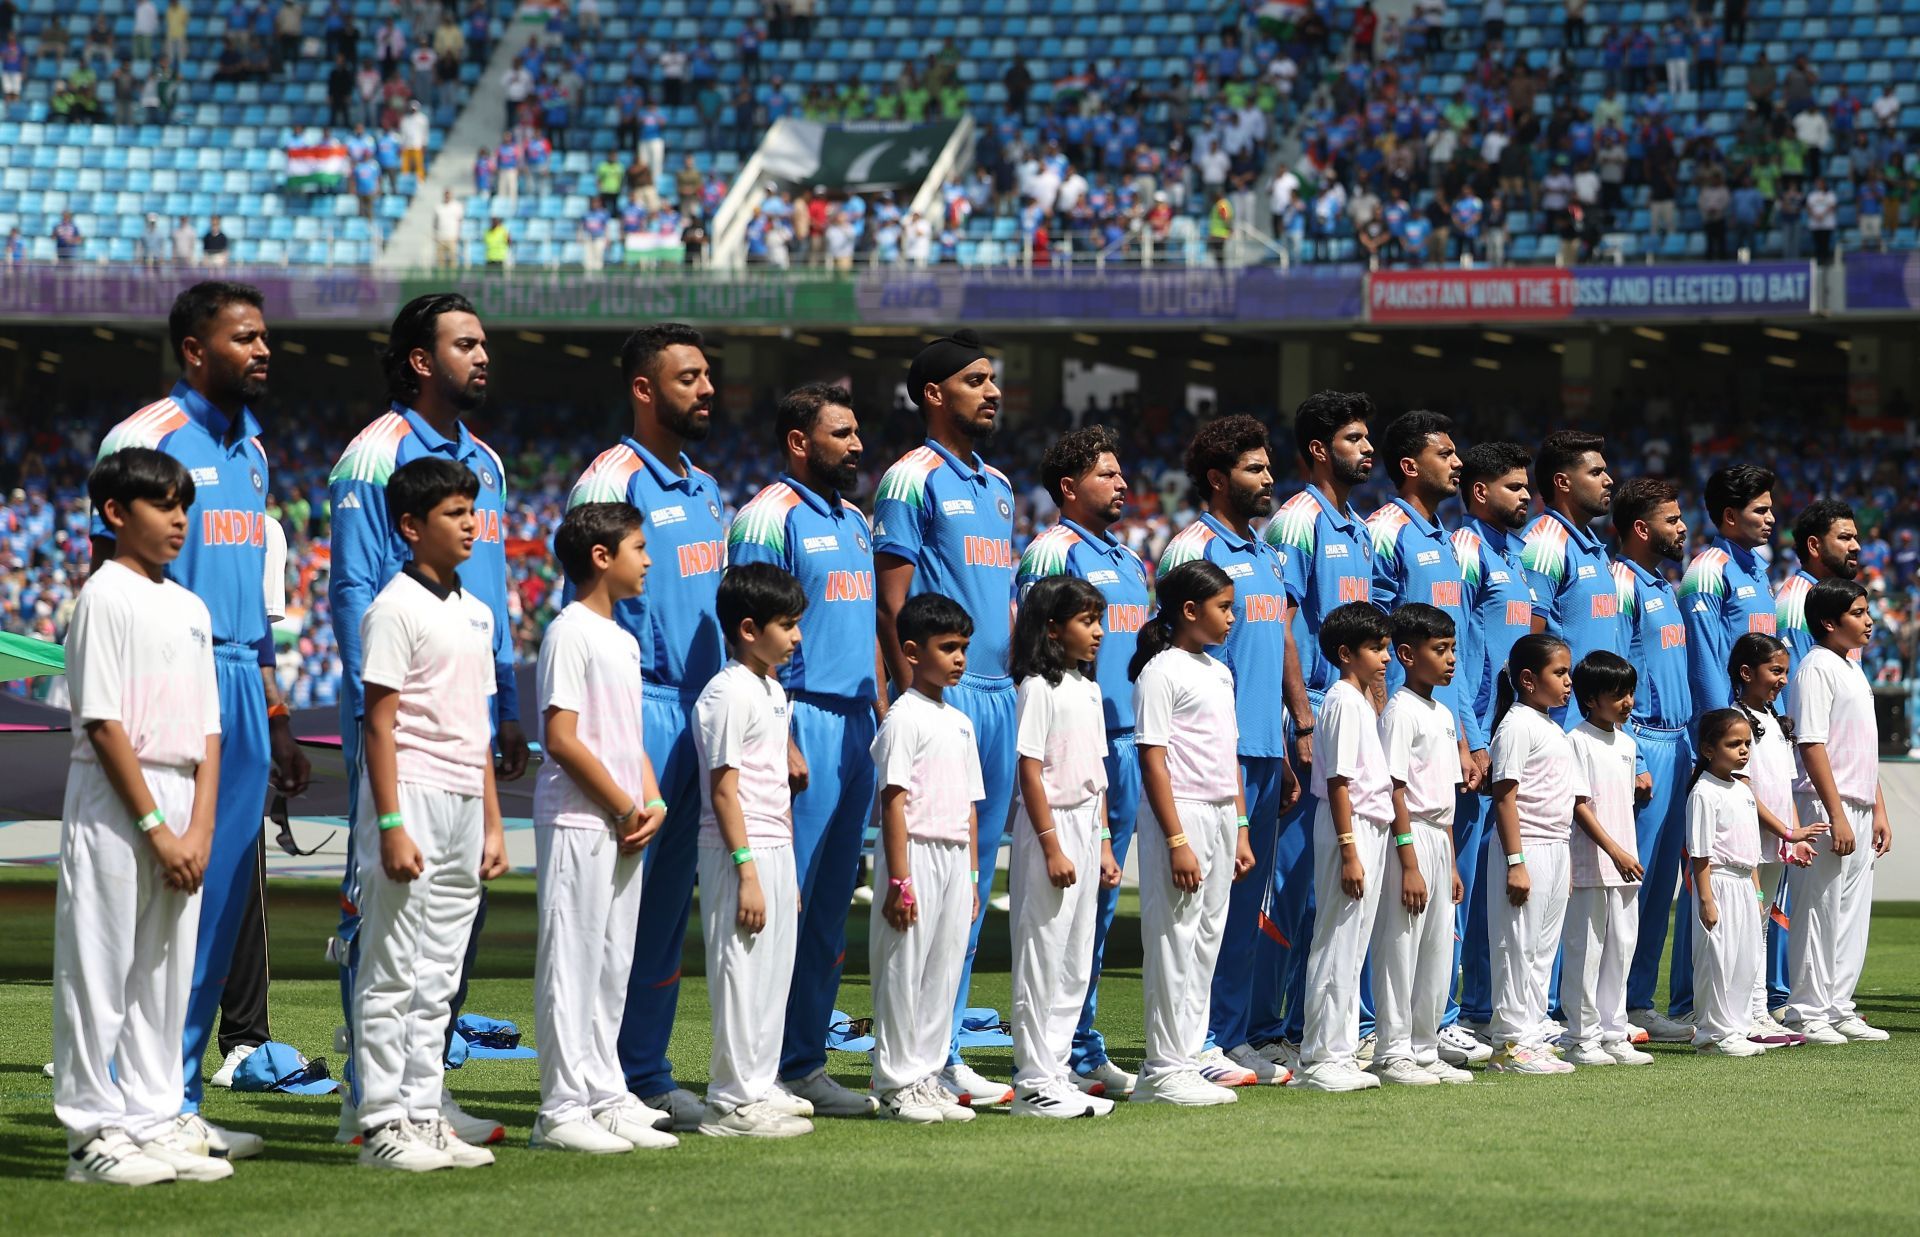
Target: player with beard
x=1229, y=462
x=206, y=422
x=1826, y=539
x=1567, y=566
x=677, y=622
x=804, y=524
x=436, y=368
x=943, y=523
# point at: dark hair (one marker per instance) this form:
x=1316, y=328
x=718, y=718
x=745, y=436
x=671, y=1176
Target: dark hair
x=1490, y=461
x=1636, y=499
x=1754, y=649
x=1601, y=673
x=1350, y=626
x=1321, y=415
x=417, y=325
x=1219, y=445
x=1560, y=451
x=646, y=344
x=758, y=591
x=1054, y=599
x=1736, y=486
x=1713, y=727
x=800, y=408
x=1192, y=581
x=1529, y=655
x=136, y=473
x=1818, y=519
x=589, y=525
x=1416, y=622
x=416, y=488
x=930, y=615
x=1074, y=454
x=1406, y=437
x=1828, y=601
x=195, y=307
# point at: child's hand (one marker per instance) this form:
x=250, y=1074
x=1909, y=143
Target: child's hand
x=1242, y=855
x=1459, y=890
x=1186, y=869
x=1353, y=877
x=752, y=915
x=976, y=905
x=901, y=911
x=1806, y=833
x=641, y=827
x=1519, y=885
x=1109, y=867
x=1060, y=869
x=797, y=775
x=1882, y=835
x=1843, y=840
x=1709, y=914
x=180, y=868
x=493, y=855
x=1289, y=783
x=1800, y=855
x=1413, y=890
x=1628, y=865
x=399, y=857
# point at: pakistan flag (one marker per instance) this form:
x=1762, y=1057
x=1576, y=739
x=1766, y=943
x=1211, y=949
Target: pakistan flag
x=853, y=157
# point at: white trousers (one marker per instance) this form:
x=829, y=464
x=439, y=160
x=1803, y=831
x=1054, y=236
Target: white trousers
x=1413, y=954
x=1726, y=960
x=916, y=973
x=1771, y=874
x=413, y=935
x=748, y=973
x=1180, y=933
x=1052, y=942
x=589, y=913
x=1832, y=908
x=1342, y=926
x=123, y=947
x=1603, y=925
x=1524, y=940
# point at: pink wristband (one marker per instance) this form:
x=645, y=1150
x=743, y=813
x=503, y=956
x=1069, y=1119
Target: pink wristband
x=905, y=885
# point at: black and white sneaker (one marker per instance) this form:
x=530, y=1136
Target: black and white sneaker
x=1055, y=1101
x=112, y=1158
x=397, y=1145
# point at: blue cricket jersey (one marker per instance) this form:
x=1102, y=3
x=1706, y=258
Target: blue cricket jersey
x=1725, y=595
x=1071, y=550
x=953, y=520
x=1657, y=647
x=368, y=551
x=224, y=560
x=1329, y=562
x=1256, y=647
x=1572, y=581
x=823, y=542
x=1499, y=608
x=675, y=619
x=1413, y=560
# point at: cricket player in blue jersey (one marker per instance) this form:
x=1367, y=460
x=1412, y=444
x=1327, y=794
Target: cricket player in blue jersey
x=670, y=392
x=804, y=524
x=1081, y=470
x=436, y=368
x=1568, y=568
x=219, y=337
x=1652, y=533
x=943, y=523
x=1494, y=486
x=1826, y=539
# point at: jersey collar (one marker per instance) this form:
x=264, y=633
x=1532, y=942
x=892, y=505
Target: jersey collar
x=1100, y=543
x=665, y=477
x=1429, y=528
x=974, y=469
x=1498, y=538
x=1343, y=517
x=459, y=446
x=1583, y=537
x=828, y=505
x=1644, y=577
x=1243, y=545
x=201, y=412
x=440, y=592
x=1745, y=558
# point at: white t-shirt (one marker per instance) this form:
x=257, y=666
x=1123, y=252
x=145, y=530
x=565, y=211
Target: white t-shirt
x=140, y=652
x=274, y=582
x=1606, y=759
x=1722, y=826
x=927, y=748
x=589, y=666
x=1423, y=752
x=1770, y=771
x=740, y=722
x=1530, y=750
x=1184, y=702
x=1064, y=728
x=1346, y=743
x=436, y=650
x=1831, y=702
x=1823, y=210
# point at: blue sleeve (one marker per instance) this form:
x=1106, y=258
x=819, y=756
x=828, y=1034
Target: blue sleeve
x=265, y=645
x=362, y=563
x=1386, y=574
x=1708, y=643
x=747, y=550
x=506, y=688
x=897, y=524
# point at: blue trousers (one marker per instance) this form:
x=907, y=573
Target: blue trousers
x=1472, y=826
x=829, y=826
x=1250, y=914
x=1123, y=817
x=1779, y=983
x=666, y=893
x=1661, y=829
x=990, y=704
x=228, y=884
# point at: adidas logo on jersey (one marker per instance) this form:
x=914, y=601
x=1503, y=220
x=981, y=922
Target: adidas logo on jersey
x=350, y=503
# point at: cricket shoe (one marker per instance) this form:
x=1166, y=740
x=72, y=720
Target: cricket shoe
x=1460, y=1047
x=685, y=1109
x=1822, y=1032
x=1589, y=1054
x=476, y=1131
x=1859, y=1031
x=1265, y=1073
x=441, y=1136
x=1363, y=1055
x=222, y=1144
x=780, y=1099
x=1334, y=1076
x=1105, y=1079
x=1661, y=1029
x=588, y=1137
x=1527, y=1059
x=1770, y=1034
x=1627, y=1054
x=111, y=1158
x=913, y=1105
x=760, y=1120
x=398, y=1146
x=1448, y=1073
x=1218, y=1069
x=974, y=1089
x=1281, y=1053
x=1401, y=1071
x=223, y=1077
x=637, y=1124
x=829, y=1098
x=1731, y=1046
x=1185, y=1088
x=187, y=1158
x=1059, y=1102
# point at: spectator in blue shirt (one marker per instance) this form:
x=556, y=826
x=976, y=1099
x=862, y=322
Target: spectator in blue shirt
x=386, y=151
x=66, y=238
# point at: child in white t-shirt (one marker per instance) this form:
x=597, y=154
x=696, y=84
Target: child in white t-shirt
x=596, y=805
x=928, y=769
x=1060, y=859
x=749, y=889
x=135, y=832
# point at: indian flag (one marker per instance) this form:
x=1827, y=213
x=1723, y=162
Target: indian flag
x=321, y=165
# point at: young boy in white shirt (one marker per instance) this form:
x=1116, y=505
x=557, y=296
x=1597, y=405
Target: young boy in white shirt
x=749, y=889
x=429, y=819
x=1413, y=931
x=926, y=864
x=1350, y=832
x=135, y=833
x=596, y=805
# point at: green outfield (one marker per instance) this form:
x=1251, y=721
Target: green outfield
x=1815, y=1138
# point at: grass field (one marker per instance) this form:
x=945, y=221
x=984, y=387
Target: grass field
x=1816, y=1138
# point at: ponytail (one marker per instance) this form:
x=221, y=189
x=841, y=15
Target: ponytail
x=1192, y=581
x=1713, y=728
x=1530, y=654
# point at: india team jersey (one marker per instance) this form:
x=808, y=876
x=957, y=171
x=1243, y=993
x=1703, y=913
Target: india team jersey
x=1790, y=619
x=224, y=560
x=1328, y=562
x=953, y=520
x=1499, y=608
x=1657, y=647
x=1725, y=595
x=1102, y=561
x=1413, y=560
x=1573, y=586
x=1831, y=703
x=140, y=652
x=368, y=551
x=823, y=542
x=1256, y=648
x=674, y=619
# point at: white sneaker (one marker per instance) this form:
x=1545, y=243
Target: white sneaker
x=343, y=1041
x=475, y=1131
x=1731, y=1046
x=1056, y=1101
x=1822, y=1033
x=636, y=1124
x=1857, y=1029
x=398, y=1146
x=1638, y=1034
x=1589, y=1054
x=974, y=1089
x=1265, y=1073
x=1002, y=902
x=1334, y=1076
x=222, y=1144
x=586, y=1137
x=1627, y=1054
x=347, y=1133
x=1363, y=1055
x=829, y=1098
x=1106, y=1079
x=440, y=1134
x=753, y=1121
x=782, y=1100
x=951, y=1107
x=1660, y=1028
x=863, y=895
x=1281, y=1053
x=1401, y=1071
x=685, y=1110
x=1770, y=1034
x=1459, y=1046
x=111, y=1158
x=186, y=1158
x=912, y=1104
x=1448, y=1073
x=223, y=1077
x=1218, y=1069
x=1185, y=1088
x=1527, y=1059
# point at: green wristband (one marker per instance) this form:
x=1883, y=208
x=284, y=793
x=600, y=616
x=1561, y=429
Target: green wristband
x=151, y=821
x=389, y=820
x=743, y=855
x=1403, y=839
x=659, y=803
x=1241, y=822
x=1106, y=834
x=974, y=876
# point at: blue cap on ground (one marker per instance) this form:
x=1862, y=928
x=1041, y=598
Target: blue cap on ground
x=274, y=1066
